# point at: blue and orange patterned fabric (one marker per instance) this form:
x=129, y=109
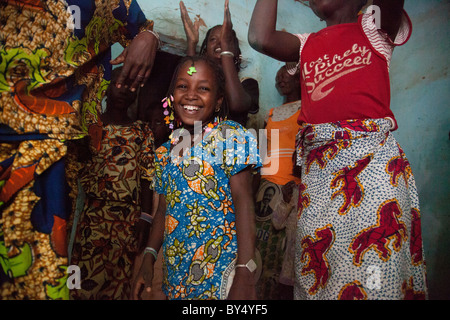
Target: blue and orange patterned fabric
x=200, y=244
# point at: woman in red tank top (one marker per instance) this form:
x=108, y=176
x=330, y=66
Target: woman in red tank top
x=358, y=230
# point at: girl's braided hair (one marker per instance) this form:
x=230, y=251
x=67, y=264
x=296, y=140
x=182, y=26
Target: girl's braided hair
x=219, y=77
x=362, y=4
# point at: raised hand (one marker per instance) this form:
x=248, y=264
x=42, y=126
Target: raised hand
x=226, y=37
x=191, y=30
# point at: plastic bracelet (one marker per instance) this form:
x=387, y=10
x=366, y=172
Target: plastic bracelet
x=152, y=251
x=227, y=53
x=146, y=217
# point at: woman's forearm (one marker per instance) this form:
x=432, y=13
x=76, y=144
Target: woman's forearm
x=264, y=38
x=262, y=24
x=239, y=101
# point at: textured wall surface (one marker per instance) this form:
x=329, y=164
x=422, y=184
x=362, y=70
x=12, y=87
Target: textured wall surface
x=420, y=101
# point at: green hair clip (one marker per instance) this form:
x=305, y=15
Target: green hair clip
x=191, y=70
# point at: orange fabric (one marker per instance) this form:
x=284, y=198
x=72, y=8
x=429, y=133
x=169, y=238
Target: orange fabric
x=288, y=129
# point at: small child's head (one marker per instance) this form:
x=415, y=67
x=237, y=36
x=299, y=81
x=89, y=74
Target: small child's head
x=198, y=90
x=211, y=46
x=122, y=97
x=286, y=83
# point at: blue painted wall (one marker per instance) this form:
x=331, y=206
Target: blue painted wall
x=420, y=101
x=420, y=97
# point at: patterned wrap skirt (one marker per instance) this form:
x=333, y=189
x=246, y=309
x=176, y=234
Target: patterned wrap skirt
x=359, y=231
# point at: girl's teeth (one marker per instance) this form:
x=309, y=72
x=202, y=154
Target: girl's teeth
x=191, y=108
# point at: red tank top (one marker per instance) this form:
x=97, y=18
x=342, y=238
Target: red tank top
x=343, y=77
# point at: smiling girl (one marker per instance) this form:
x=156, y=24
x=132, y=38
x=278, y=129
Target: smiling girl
x=222, y=46
x=205, y=216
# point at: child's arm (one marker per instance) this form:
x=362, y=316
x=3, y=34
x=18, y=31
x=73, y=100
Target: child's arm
x=391, y=16
x=239, y=101
x=264, y=38
x=143, y=224
x=145, y=275
x=191, y=30
x=284, y=207
x=146, y=174
x=241, y=190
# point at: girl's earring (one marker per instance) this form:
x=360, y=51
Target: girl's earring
x=167, y=105
x=171, y=118
x=217, y=119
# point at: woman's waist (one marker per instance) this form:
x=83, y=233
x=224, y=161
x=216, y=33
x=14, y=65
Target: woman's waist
x=312, y=134
x=320, y=114
x=348, y=141
x=94, y=200
x=123, y=195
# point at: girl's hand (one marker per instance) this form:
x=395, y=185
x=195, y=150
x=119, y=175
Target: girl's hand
x=191, y=28
x=226, y=37
x=141, y=285
x=137, y=61
x=243, y=287
x=287, y=191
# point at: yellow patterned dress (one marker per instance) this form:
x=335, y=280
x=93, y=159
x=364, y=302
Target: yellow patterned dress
x=54, y=70
x=105, y=244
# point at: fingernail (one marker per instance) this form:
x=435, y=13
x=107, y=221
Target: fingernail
x=133, y=89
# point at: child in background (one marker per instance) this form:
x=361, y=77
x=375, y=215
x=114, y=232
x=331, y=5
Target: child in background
x=205, y=217
x=222, y=45
x=358, y=234
x=114, y=224
x=284, y=218
x=284, y=119
x=274, y=237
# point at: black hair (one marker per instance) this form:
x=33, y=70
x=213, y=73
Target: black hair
x=218, y=75
x=237, y=59
x=362, y=4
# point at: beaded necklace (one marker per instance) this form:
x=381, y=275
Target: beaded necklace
x=175, y=135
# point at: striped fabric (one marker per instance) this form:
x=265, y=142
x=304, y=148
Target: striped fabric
x=380, y=40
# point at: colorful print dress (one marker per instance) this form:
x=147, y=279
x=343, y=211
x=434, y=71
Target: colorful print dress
x=54, y=71
x=359, y=231
x=200, y=243
x=105, y=243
